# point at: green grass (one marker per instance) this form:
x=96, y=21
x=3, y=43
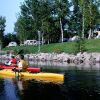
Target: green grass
x=92, y=45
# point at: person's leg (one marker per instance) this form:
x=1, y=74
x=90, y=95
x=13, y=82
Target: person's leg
x=19, y=72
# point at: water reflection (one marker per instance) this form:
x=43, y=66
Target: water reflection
x=1, y=86
x=42, y=91
x=9, y=91
x=65, y=65
x=62, y=65
x=83, y=85
x=78, y=85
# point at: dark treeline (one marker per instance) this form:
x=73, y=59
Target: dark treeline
x=56, y=19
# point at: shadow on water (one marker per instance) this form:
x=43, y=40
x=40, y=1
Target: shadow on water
x=42, y=91
x=78, y=85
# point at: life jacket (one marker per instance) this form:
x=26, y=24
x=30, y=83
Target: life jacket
x=23, y=65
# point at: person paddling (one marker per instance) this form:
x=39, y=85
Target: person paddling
x=22, y=65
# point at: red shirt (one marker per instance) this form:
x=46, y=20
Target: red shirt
x=13, y=61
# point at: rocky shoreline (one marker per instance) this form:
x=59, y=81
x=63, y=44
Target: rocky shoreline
x=62, y=57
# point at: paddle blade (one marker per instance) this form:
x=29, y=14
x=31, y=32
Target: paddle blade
x=21, y=51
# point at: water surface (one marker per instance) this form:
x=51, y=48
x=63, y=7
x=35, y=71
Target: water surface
x=81, y=82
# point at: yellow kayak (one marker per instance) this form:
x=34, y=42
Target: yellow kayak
x=47, y=77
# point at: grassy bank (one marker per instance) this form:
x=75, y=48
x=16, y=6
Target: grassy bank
x=92, y=45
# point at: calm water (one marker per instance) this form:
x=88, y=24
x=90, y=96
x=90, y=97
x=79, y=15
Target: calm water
x=80, y=83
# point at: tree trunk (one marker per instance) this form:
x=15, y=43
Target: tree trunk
x=83, y=22
x=90, y=31
x=48, y=41
x=42, y=35
x=42, y=38
x=90, y=34
x=0, y=45
x=39, y=40
x=62, y=34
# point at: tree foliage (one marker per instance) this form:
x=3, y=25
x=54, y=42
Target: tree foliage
x=2, y=29
x=40, y=15
x=55, y=19
x=10, y=37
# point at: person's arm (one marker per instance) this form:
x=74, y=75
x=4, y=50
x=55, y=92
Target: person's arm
x=9, y=63
x=20, y=65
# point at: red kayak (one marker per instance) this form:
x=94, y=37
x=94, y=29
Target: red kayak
x=29, y=69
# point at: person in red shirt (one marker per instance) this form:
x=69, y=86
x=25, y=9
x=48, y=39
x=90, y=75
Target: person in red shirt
x=13, y=61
